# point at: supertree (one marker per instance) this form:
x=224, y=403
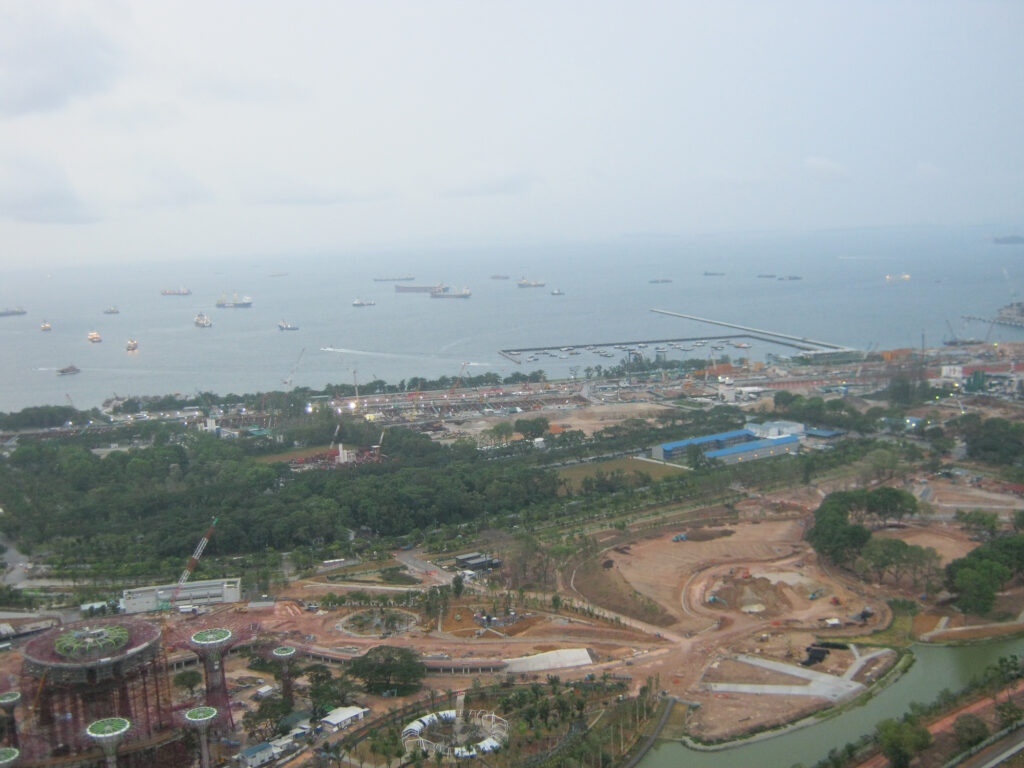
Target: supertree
x=200, y=719
x=108, y=733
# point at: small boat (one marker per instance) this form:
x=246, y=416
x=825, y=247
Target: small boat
x=111, y=310
x=45, y=326
x=363, y=303
x=94, y=337
x=202, y=321
x=558, y=292
x=68, y=370
x=284, y=325
x=132, y=345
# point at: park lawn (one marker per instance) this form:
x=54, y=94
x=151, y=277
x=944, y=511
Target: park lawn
x=573, y=475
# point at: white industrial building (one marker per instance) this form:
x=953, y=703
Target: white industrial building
x=772, y=429
x=192, y=593
x=341, y=717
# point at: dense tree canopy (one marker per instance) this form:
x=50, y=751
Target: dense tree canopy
x=388, y=667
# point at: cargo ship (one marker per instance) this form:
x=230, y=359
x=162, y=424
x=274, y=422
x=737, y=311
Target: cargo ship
x=111, y=310
x=499, y=277
x=420, y=288
x=68, y=370
x=524, y=283
x=202, y=321
x=13, y=311
x=176, y=292
x=404, y=278
x=660, y=280
x=444, y=293
x=234, y=302
x=363, y=303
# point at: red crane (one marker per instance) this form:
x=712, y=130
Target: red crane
x=187, y=573
x=458, y=380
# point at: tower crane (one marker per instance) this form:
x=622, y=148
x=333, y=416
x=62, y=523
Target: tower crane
x=287, y=381
x=190, y=566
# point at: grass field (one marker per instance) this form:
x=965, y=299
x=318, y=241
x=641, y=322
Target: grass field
x=574, y=475
x=298, y=453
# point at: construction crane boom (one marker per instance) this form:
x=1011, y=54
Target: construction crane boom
x=458, y=380
x=187, y=573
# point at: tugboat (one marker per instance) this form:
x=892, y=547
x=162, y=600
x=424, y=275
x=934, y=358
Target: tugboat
x=68, y=371
x=132, y=345
x=284, y=325
x=202, y=321
x=45, y=326
x=94, y=337
x=111, y=310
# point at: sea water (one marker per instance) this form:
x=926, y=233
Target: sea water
x=864, y=288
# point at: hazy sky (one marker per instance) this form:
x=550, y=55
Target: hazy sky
x=133, y=130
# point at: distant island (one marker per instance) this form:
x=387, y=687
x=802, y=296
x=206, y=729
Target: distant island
x=1009, y=240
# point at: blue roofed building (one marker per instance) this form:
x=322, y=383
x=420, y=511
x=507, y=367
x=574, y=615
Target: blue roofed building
x=756, y=449
x=257, y=754
x=678, y=449
x=760, y=441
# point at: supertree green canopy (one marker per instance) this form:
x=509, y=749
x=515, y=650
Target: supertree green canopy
x=87, y=642
x=199, y=715
x=108, y=727
x=211, y=636
x=283, y=651
x=8, y=755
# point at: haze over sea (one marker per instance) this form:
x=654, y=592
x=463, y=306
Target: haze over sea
x=843, y=297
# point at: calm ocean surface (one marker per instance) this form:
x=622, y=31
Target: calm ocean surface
x=843, y=298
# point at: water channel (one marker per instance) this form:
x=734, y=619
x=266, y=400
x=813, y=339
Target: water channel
x=934, y=668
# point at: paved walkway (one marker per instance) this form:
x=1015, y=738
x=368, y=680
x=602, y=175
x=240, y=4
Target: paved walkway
x=819, y=684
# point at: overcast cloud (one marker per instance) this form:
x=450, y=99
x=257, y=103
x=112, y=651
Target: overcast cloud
x=269, y=127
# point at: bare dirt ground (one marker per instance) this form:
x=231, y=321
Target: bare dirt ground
x=947, y=496
x=948, y=539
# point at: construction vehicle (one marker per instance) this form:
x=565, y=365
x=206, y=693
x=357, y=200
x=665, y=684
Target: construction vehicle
x=679, y=537
x=816, y=593
x=717, y=599
x=835, y=600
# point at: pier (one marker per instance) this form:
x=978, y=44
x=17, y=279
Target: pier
x=793, y=340
x=514, y=354
x=800, y=343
